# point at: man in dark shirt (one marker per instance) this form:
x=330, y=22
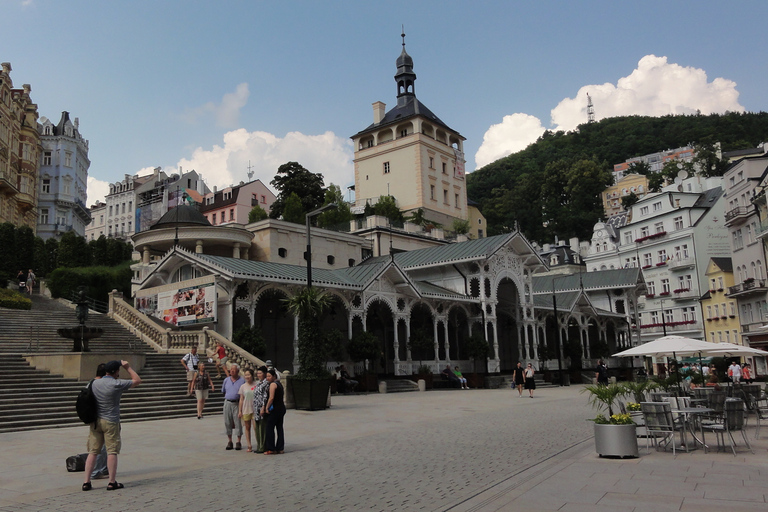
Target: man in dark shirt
x=601, y=373
x=106, y=429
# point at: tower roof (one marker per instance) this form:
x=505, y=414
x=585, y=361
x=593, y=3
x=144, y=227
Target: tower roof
x=182, y=215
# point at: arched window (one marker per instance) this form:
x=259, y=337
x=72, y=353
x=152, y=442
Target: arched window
x=754, y=270
x=760, y=274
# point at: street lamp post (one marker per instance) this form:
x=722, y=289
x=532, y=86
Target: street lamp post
x=311, y=214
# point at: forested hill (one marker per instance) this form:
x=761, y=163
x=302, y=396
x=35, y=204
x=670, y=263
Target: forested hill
x=553, y=186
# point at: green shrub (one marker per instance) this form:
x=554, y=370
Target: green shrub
x=99, y=281
x=14, y=300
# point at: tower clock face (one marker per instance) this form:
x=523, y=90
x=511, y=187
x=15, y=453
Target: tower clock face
x=600, y=232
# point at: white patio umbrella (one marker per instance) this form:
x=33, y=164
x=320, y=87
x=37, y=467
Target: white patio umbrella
x=667, y=346
x=732, y=349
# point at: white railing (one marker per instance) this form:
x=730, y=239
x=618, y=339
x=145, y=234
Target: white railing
x=176, y=342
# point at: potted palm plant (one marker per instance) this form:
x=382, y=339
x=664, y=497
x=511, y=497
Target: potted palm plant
x=311, y=384
x=364, y=346
x=615, y=435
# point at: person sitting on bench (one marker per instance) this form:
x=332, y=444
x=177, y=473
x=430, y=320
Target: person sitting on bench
x=448, y=374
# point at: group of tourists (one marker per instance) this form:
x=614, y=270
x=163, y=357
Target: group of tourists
x=253, y=402
x=26, y=281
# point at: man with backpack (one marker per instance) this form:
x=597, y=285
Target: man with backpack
x=189, y=362
x=106, y=429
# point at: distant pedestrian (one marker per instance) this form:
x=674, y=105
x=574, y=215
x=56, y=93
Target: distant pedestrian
x=106, y=429
x=601, y=373
x=190, y=362
x=21, y=279
x=31, y=281
x=746, y=373
x=530, y=383
x=201, y=384
x=260, y=396
x=221, y=359
x=734, y=372
x=274, y=412
x=230, y=388
x=519, y=378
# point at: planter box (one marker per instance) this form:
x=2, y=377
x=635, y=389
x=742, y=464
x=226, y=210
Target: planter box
x=427, y=378
x=616, y=440
x=310, y=395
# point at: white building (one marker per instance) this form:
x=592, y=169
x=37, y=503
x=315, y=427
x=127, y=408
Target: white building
x=741, y=180
x=63, y=178
x=671, y=235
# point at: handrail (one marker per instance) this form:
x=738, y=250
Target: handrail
x=176, y=342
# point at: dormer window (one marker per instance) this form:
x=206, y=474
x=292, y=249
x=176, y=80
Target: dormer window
x=553, y=260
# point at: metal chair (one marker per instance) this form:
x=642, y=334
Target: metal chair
x=658, y=396
x=760, y=409
x=659, y=422
x=716, y=402
x=702, y=393
x=678, y=402
x=733, y=421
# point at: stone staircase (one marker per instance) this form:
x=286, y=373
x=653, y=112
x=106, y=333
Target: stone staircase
x=401, y=386
x=33, y=399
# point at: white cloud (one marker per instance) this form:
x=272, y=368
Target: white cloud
x=97, y=190
x=515, y=132
x=227, y=164
x=655, y=88
x=227, y=113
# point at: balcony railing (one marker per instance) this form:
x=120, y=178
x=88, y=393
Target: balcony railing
x=748, y=286
x=740, y=212
x=681, y=263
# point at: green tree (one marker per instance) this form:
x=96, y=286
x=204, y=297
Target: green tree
x=477, y=349
x=420, y=343
x=460, y=226
x=99, y=251
x=256, y=214
x=250, y=339
x=628, y=200
x=293, y=211
x=417, y=217
x=8, y=263
x=292, y=178
x=639, y=167
x=40, y=258
x=338, y=217
x=73, y=251
x=386, y=206
x=52, y=253
x=364, y=346
x=25, y=247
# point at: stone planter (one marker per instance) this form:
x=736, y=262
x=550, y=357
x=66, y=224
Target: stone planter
x=310, y=395
x=616, y=440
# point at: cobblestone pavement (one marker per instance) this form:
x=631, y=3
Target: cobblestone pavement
x=408, y=451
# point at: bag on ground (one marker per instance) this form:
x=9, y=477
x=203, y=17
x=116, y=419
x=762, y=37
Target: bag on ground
x=76, y=462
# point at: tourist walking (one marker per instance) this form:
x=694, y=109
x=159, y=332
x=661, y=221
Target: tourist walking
x=190, y=362
x=601, y=373
x=260, y=396
x=221, y=359
x=21, y=280
x=106, y=429
x=746, y=373
x=31, y=281
x=530, y=383
x=230, y=388
x=201, y=384
x=518, y=377
x=245, y=407
x=274, y=412
x=734, y=372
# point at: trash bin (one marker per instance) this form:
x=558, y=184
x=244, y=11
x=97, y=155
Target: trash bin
x=566, y=379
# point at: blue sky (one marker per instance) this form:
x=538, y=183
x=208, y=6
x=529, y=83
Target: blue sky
x=214, y=85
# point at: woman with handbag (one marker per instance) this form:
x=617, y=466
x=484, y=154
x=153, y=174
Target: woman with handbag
x=530, y=383
x=201, y=384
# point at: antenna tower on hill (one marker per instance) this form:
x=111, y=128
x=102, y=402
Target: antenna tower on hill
x=590, y=110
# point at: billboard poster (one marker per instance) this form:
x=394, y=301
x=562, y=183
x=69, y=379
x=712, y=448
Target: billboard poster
x=459, y=173
x=184, y=303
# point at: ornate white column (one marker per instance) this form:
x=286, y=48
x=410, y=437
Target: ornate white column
x=396, y=345
x=236, y=250
x=447, y=341
x=435, y=341
x=199, y=247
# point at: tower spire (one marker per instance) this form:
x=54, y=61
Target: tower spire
x=590, y=110
x=402, y=34
x=405, y=76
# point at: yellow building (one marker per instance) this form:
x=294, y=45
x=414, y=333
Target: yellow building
x=721, y=316
x=19, y=153
x=630, y=183
x=410, y=154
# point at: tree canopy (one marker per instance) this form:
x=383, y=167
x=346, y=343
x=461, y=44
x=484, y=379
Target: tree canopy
x=338, y=217
x=540, y=187
x=292, y=178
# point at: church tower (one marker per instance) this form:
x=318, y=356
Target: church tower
x=410, y=154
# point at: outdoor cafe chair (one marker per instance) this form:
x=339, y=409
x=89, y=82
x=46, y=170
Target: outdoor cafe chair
x=716, y=402
x=658, y=396
x=660, y=424
x=678, y=402
x=701, y=393
x=733, y=421
x=760, y=409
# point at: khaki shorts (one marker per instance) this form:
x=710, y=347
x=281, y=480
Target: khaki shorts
x=202, y=394
x=104, y=432
x=248, y=417
x=191, y=375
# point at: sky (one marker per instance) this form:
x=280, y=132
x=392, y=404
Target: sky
x=218, y=86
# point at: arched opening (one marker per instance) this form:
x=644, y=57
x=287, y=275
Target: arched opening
x=422, y=325
x=507, y=313
x=335, y=319
x=276, y=325
x=379, y=322
x=457, y=334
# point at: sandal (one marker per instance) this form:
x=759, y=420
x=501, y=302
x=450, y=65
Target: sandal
x=249, y=450
x=87, y=486
x=111, y=486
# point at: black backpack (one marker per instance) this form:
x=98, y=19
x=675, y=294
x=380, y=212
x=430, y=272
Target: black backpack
x=86, y=405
